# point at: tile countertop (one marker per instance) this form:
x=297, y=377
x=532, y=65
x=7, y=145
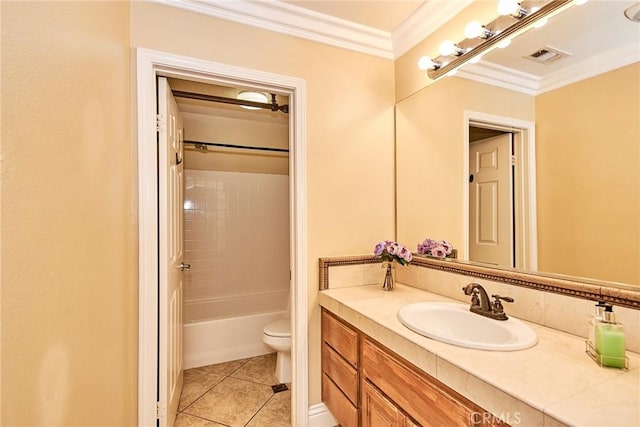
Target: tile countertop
x=553, y=383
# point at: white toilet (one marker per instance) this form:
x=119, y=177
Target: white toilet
x=277, y=335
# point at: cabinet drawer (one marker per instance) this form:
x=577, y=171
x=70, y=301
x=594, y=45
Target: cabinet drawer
x=338, y=404
x=426, y=400
x=343, y=375
x=341, y=337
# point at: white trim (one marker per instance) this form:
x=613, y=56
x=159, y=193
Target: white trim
x=590, y=67
x=308, y=24
x=294, y=21
x=150, y=64
x=426, y=19
x=510, y=78
x=320, y=416
x=529, y=195
x=500, y=76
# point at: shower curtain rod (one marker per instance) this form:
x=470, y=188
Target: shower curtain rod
x=273, y=106
x=203, y=146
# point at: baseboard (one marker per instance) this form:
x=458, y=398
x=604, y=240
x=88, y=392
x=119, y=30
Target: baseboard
x=320, y=416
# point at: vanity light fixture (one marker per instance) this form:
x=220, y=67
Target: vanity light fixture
x=514, y=20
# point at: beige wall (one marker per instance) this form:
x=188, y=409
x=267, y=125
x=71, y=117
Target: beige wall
x=69, y=297
x=588, y=166
x=430, y=143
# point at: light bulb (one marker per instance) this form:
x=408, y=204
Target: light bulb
x=473, y=30
x=541, y=23
x=447, y=48
x=579, y=2
x=475, y=59
x=504, y=43
x=426, y=63
x=508, y=7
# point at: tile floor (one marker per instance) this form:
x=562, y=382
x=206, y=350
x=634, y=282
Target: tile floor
x=236, y=393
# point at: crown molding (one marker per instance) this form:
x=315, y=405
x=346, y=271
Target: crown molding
x=500, y=76
x=426, y=19
x=597, y=64
x=294, y=21
x=509, y=78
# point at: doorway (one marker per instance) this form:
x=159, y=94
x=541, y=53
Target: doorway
x=491, y=204
x=150, y=65
x=518, y=201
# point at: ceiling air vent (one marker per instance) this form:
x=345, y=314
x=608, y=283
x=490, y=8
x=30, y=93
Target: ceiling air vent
x=547, y=54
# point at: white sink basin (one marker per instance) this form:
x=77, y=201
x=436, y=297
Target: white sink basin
x=454, y=324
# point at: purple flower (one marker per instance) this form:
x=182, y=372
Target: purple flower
x=405, y=254
x=448, y=247
x=380, y=247
x=439, y=251
x=437, y=248
x=393, y=248
x=390, y=251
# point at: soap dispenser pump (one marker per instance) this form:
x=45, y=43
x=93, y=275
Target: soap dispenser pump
x=595, y=320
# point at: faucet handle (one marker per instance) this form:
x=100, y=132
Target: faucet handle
x=505, y=299
x=496, y=306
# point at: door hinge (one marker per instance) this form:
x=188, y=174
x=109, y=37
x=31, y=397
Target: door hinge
x=159, y=410
x=513, y=160
x=160, y=123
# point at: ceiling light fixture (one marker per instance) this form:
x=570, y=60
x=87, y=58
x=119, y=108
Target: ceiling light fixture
x=249, y=95
x=481, y=39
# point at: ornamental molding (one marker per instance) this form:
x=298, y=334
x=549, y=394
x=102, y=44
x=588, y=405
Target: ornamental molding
x=590, y=290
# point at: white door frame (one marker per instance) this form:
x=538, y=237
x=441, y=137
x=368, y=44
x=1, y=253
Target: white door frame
x=150, y=64
x=525, y=186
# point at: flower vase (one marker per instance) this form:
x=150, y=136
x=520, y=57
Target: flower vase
x=389, y=282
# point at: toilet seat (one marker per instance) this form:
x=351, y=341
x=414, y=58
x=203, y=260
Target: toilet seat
x=279, y=328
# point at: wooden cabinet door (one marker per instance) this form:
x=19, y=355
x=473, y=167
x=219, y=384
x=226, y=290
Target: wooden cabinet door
x=377, y=410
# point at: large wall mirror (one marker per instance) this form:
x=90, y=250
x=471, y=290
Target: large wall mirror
x=567, y=95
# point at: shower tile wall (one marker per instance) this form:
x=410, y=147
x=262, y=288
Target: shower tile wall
x=236, y=234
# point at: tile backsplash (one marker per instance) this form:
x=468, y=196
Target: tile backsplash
x=562, y=312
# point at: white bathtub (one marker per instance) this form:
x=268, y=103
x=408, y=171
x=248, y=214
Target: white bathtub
x=221, y=330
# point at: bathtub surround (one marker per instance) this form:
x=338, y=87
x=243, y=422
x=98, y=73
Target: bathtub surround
x=236, y=236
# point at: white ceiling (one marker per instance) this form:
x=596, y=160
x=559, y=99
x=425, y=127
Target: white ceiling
x=383, y=15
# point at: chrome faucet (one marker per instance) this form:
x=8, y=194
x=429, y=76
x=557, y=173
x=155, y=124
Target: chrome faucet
x=481, y=304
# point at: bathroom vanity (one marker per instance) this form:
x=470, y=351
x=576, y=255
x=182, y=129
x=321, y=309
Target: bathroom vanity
x=364, y=383
x=375, y=371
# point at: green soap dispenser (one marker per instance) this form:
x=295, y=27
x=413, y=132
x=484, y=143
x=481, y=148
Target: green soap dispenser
x=609, y=340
